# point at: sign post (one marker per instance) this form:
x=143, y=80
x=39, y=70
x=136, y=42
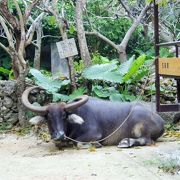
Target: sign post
x=165, y=67
x=59, y=54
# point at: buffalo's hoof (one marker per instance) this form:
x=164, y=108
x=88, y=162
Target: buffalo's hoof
x=88, y=145
x=126, y=143
x=123, y=145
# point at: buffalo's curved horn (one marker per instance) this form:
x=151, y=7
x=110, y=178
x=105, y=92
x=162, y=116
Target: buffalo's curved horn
x=77, y=102
x=28, y=105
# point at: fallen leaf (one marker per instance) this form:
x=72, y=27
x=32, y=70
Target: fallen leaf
x=92, y=149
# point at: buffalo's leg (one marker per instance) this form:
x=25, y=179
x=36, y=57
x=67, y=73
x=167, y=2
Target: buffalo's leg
x=129, y=142
x=86, y=145
x=89, y=140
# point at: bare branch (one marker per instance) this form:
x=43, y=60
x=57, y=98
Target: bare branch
x=25, y=3
x=88, y=19
x=10, y=18
x=126, y=9
x=34, y=44
x=38, y=7
x=104, y=17
x=102, y=37
x=5, y=48
x=8, y=24
x=30, y=33
x=59, y=20
x=46, y=36
x=29, y=8
x=22, y=25
x=133, y=27
x=6, y=30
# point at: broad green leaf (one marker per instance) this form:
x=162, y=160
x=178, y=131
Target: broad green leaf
x=123, y=97
x=104, y=92
x=78, y=92
x=130, y=97
x=117, y=97
x=100, y=92
x=48, y=83
x=135, y=67
x=11, y=74
x=60, y=97
x=106, y=72
x=7, y=72
x=124, y=67
x=4, y=71
x=104, y=60
x=139, y=75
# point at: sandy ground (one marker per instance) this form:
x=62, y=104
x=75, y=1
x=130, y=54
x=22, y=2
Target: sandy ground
x=27, y=158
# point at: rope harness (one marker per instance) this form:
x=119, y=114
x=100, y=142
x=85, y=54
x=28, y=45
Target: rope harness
x=98, y=141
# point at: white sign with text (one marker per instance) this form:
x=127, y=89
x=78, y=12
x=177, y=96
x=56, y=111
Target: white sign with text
x=67, y=48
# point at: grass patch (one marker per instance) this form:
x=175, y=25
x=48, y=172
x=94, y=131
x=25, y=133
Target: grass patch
x=170, y=165
x=5, y=126
x=170, y=127
x=153, y=162
x=166, y=165
x=171, y=130
x=22, y=131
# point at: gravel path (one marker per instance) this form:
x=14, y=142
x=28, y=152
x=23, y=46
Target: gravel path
x=26, y=158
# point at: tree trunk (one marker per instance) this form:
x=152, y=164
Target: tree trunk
x=85, y=56
x=121, y=48
x=15, y=67
x=21, y=108
x=122, y=54
x=37, y=56
x=21, y=75
x=16, y=25
x=146, y=29
x=123, y=44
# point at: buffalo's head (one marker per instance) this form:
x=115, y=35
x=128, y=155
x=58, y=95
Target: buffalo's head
x=56, y=114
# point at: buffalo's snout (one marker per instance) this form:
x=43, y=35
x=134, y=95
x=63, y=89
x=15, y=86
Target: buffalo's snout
x=57, y=136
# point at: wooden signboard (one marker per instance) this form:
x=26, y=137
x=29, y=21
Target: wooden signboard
x=169, y=66
x=67, y=48
x=59, y=66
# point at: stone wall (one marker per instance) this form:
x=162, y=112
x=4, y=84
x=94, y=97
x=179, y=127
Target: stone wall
x=8, y=102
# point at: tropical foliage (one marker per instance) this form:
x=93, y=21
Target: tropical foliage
x=108, y=78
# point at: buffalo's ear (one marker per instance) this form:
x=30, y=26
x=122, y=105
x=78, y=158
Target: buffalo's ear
x=37, y=120
x=75, y=119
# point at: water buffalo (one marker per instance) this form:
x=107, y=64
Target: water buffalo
x=89, y=119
